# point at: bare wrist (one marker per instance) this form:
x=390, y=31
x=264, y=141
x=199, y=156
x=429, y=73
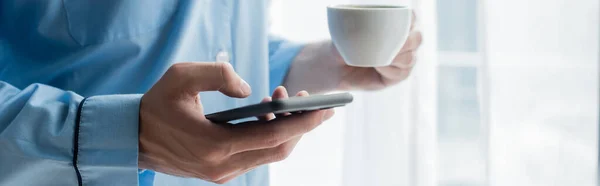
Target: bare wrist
x=317, y=69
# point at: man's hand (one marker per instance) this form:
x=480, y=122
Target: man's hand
x=320, y=68
x=375, y=78
x=176, y=138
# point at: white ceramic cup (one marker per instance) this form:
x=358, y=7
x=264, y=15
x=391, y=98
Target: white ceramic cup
x=369, y=35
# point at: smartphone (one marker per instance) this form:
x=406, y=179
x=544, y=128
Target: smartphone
x=278, y=106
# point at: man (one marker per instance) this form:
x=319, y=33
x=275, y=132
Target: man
x=110, y=92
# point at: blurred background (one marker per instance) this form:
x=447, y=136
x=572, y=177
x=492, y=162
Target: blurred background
x=505, y=92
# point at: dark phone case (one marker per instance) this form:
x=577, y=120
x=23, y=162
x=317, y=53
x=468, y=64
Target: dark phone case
x=293, y=104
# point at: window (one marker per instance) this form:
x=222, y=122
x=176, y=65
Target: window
x=461, y=143
x=516, y=100
x=518, y=92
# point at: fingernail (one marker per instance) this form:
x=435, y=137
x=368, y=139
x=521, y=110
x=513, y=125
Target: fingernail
x=245, y=88
x=304, y=92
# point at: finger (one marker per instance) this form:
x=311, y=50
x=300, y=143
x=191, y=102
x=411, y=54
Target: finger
x=392, y=75
x=303, y=93
x=208, y=76
x=280, y=93
x=253, y=159
x=264, y=156
x=404, y=61
x=268, y=116
x=261, y=135
x=398, y=70
x=413, y=42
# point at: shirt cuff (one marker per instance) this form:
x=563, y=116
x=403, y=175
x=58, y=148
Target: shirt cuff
x=280, y=61
x=107, y=146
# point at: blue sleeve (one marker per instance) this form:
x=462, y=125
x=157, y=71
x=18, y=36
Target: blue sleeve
x=281, y=56
x=53, y=137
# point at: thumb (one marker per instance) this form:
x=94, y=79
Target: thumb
x=209, y=76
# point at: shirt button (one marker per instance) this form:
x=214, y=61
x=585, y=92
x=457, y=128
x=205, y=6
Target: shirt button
x=223, y=56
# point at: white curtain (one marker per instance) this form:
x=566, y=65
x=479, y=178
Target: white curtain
x=383, y=138
x=390, y=136
x=504, y=93
x=542, y=64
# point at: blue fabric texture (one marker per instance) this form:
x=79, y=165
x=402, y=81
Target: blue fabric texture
x=281, y=52
x=53, y=54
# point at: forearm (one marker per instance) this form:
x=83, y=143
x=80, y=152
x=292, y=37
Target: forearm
x=315, y=69
x=64, y=140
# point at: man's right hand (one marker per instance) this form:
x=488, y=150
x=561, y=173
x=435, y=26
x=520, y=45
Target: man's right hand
x=176, y=138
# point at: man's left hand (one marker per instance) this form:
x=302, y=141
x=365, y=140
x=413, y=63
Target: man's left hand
x=375, y=78
x=320, y=68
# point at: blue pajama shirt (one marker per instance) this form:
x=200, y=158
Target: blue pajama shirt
x=54, y=54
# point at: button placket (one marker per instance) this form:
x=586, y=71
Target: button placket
x=225, y=52
x=223, y=56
